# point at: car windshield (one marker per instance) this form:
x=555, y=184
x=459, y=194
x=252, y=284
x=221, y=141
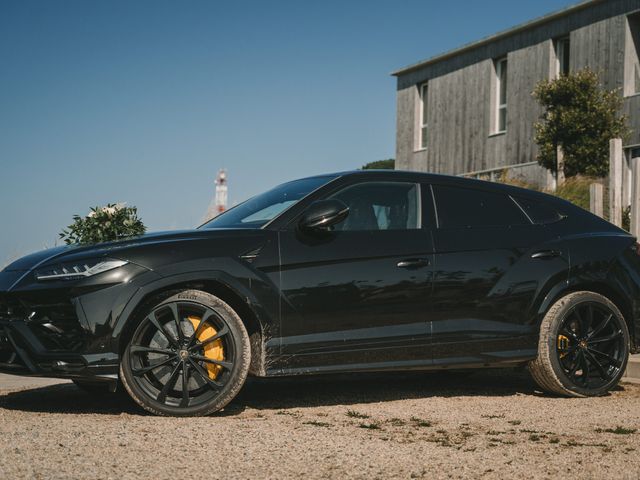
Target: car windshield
x=261, y=209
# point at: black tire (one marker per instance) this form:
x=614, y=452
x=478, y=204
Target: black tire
x=583, y=347
x=153, y=383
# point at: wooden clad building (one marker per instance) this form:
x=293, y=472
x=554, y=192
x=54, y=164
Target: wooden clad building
x=471, y=109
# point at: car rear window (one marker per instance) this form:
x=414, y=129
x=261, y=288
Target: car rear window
x=538, y=211
x=467, y=207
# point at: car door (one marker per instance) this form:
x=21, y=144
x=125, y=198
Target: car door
x=491, y=262
x=357, y=296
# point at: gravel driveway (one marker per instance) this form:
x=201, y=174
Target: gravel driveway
x=419, y=425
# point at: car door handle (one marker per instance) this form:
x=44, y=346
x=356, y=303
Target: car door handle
x=545, y=254
x=413, y=263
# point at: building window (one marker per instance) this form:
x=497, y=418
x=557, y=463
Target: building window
x=424, y=125
x=632, y=54
x=563, y=49
x=501, y=95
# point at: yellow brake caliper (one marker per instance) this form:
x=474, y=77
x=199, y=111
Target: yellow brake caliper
x=563, y=344
x=213, y=350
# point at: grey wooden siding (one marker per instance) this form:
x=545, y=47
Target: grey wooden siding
x=462, y=90
x=600, y=46
x=527, y=67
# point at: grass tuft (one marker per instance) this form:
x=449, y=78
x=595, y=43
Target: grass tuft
x=618, y=430
x=421, y=422
x=371, y=426
x=317, y=424
x=354, y=414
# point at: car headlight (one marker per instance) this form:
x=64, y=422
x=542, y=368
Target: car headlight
x=79, y=269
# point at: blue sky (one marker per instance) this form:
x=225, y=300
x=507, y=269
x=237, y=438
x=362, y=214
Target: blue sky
x=143, y=101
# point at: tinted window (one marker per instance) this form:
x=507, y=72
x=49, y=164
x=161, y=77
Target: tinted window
x=257, y=211
x=380, y=206
x=539, y=212
x=466, y=207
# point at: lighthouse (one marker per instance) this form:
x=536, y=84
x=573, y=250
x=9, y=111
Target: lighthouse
x=219, y=203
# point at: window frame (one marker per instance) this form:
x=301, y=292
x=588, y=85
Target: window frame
x=423, y=117
x=500, y=64
x=562, y=48
x=631, y=84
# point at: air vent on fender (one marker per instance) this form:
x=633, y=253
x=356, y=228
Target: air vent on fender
x=251, y=255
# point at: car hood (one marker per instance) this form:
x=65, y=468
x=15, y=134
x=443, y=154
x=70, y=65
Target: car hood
x=73, y=252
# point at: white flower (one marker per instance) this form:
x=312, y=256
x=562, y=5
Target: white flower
x=108, y=210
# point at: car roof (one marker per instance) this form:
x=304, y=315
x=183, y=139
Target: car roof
x=437, y=178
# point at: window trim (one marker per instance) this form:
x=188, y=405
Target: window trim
x=560, y=45
x=423, y=91
x=500, y=64
x=631, y=82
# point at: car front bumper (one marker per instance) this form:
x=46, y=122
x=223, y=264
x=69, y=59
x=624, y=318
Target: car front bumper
x=23, y=352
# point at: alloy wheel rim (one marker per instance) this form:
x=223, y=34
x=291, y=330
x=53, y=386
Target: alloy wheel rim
x=590, y=345
x=171, y=359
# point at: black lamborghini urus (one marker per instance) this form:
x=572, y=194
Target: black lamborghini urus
x=357, y=271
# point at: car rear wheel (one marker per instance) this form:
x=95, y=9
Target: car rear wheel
x=189, y=356
x=583, y=347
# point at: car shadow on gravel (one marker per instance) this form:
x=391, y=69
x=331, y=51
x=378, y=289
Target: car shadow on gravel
x=292, y=392
x=349, y=389
x=67, y=398
x=295, y=392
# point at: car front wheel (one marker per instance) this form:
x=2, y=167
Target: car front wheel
x=189, y=356
x=583, y=347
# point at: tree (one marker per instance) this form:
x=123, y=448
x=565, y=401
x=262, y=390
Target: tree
x=581, y=117
x=388, y=164
x=104, y=224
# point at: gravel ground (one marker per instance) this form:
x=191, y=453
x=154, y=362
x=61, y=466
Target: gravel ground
x=419, y=425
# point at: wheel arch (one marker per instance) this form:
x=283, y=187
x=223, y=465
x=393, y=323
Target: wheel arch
x=601, y=287
x=240, y=301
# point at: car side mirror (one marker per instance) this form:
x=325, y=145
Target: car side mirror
x=323, y=214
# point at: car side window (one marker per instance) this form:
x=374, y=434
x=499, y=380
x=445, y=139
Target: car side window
x=380, y=206
x=539, y=212
x=470, y=207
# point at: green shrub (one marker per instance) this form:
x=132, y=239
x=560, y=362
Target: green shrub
x=104, y=224
x=388, y=164
x=581, y=116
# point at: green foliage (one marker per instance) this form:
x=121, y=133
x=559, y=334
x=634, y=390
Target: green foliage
x=388, y=164
x=626, y=218
x=581, y=117
x=104, y=224
x=576, y=190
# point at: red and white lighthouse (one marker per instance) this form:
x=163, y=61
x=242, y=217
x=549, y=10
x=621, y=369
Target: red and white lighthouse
x=219, y=203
